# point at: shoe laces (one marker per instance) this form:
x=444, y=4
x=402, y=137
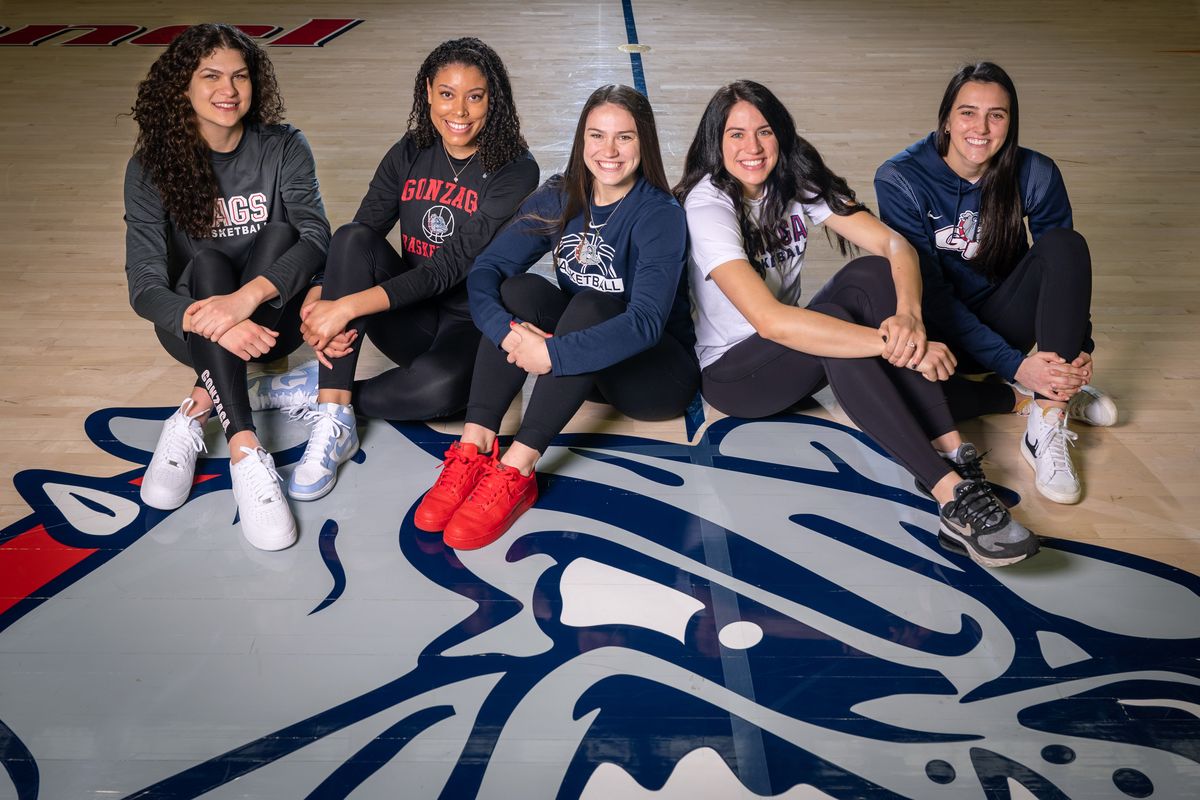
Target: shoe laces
x=186, y=436
x=455, y=467
x=978, y=506
x=263, y=483
x=326, y=428
x=1055, y=442
x=500, y=481
x=971, y=468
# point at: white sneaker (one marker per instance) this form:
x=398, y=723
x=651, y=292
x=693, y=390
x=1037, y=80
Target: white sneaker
x=296, y=387
x=171, y=472
x=333, y=440
x=1092, y=406
x=1045, y=448
x=266, y=519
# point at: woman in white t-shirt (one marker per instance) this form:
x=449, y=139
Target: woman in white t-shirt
x=751, y=188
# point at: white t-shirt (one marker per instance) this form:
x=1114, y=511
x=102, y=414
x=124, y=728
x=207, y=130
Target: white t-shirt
x=715, y=239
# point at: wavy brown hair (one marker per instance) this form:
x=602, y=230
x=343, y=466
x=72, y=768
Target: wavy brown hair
x=169, y=145
x=500, y=141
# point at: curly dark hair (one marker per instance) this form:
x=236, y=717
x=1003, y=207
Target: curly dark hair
x=169, y=145
x=500, y=141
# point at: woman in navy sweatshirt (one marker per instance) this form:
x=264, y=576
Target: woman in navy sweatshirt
x=961, y=196
x=616, y=325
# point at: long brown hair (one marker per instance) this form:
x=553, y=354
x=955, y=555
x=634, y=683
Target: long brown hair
x=577, y=179
x=1001, y=216
x=173, y=154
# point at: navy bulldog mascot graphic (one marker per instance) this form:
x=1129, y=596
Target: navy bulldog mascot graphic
x=673, y=619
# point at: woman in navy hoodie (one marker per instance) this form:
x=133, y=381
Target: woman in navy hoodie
x=961, y=196
x=617, y=322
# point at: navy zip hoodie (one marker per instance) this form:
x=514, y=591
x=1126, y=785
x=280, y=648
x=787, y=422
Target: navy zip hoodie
x=938, y=212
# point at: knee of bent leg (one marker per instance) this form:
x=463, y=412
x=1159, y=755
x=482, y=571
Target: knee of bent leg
x=525, y=294
x=1067, y=248
x=353, y=237
x=834, y=309
x=865, y=271
x=212, y=273
x=591, y=307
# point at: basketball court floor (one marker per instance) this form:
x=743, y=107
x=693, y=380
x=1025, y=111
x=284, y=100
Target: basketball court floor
x=705, y=608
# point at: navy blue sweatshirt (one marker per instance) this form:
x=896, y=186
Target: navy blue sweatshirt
x=636, y=249
x=938, y=212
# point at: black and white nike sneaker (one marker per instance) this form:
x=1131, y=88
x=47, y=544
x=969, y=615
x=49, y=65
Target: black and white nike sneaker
x=977, y=523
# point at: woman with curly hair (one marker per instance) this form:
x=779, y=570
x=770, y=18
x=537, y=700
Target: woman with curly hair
x=451, y=182
x=752, y=187
x=615, y=327
x=225, y=229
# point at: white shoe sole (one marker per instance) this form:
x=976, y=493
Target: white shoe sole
x=279, y=541
x=308, y=497
x=160, y=499
x=964, y=548
x=1065, y=498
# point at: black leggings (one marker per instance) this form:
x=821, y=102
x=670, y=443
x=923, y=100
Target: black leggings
x=1046, y=300
x=655, y=384
x=218, y=371
x=896, y=407
x=434, y=347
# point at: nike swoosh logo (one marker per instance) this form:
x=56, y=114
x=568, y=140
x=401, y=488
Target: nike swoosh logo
x=340, y=448
x=933, y=216
x=1032, y=446
x=289, y=380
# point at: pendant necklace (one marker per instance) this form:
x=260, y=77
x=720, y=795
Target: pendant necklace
x=458, y=172
x=587, y=252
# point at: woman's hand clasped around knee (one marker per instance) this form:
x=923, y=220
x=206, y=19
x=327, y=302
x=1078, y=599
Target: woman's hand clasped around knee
x=1051, y=376
x=938, y=363
x=323, y=325
x=904, y=340
x=528, y=351
x=248, y=340
x=213, y=316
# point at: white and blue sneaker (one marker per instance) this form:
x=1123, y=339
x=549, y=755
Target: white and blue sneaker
x=334, y=439
x=296, y=387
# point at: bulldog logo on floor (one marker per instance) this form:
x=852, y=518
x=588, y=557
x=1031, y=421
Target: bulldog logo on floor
x=763, y=611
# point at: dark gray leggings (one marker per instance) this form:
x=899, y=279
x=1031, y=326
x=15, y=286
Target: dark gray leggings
x=657, y=383
x=218, y=371
x=896, y=407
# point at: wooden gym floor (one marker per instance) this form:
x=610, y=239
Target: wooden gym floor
x=1110, y=91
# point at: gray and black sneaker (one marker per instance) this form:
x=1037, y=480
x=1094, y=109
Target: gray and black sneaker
x=976, y=523
x=967, y=462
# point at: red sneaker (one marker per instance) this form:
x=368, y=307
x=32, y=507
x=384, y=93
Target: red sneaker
x=461, y=470
x=502, y=495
